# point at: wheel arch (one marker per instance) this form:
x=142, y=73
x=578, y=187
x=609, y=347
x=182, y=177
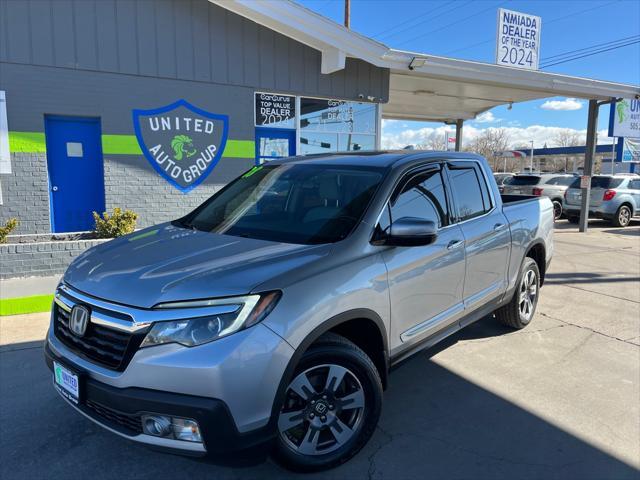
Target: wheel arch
x=538, y=252
x=351, y=325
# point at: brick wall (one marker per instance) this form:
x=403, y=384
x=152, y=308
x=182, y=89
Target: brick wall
x=131, y=183
x=40, y=259
x=25, y=193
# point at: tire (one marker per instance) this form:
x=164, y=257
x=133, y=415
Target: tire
x=319, y=417
x=557, y=209
x=519, y=312
x=622, y=217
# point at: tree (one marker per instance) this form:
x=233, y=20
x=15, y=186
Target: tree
x=568, y=138
x=488, y=143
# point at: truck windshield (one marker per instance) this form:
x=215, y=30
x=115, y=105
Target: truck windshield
x=290, y=203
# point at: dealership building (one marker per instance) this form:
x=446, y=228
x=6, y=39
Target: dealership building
x=154, y=105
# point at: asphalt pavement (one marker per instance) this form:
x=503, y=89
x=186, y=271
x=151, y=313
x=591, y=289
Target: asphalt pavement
x=559, y=399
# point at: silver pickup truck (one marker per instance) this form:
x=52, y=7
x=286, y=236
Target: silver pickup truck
x=267, y=319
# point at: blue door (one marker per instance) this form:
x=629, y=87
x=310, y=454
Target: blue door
x=272, y=143
x=76, y=177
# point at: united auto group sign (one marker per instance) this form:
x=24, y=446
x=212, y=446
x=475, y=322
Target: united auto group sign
x=183, y=143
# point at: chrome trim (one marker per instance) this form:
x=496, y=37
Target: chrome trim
x=141, y=318
x=194, y=447
x=432, y=322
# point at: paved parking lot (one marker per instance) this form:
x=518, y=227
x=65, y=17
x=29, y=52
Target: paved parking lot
x=560, y=399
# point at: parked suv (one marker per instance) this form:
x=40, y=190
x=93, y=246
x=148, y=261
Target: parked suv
x=502, y=179
x=613, y=197
x=552, y=185
x=269, y=316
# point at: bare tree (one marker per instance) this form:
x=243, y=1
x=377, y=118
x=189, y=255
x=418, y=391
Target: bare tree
x=487, y=144
x=568, y=138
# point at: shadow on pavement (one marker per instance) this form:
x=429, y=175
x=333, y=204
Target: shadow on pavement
x=434, y=424
x=586, y=277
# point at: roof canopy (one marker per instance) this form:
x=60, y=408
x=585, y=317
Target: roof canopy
x=441, y=89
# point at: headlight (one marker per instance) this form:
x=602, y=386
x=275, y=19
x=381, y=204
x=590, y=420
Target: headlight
x=195, y=329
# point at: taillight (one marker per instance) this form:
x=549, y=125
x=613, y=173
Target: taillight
x=537, y=191
x=608, y=195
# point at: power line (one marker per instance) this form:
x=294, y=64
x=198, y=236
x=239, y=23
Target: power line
x=599, y=45
x=590, y=54
x=385, y=32
x=553, y=20
x=451, y=24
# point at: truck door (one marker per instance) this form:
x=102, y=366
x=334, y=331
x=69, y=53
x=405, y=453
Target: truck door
x=486, y=234
x=425, y=282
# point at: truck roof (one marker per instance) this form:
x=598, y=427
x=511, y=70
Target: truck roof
x=382, y=158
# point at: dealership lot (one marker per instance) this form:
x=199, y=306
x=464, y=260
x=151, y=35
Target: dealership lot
x=556, y=400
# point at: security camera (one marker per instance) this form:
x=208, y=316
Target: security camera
x=371, y=98
x=361, y=96
x=637, y=96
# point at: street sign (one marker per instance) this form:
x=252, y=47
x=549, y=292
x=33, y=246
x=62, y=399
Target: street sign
x=624, y=118
x=585, y=181
x=518, y=39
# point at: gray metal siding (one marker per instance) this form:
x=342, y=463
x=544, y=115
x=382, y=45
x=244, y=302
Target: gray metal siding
x=181, y=39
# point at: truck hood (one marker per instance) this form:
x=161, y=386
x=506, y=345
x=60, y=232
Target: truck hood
x=168, y=263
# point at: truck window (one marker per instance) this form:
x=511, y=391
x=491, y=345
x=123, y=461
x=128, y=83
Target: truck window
x=470, y=190
x=423, y=196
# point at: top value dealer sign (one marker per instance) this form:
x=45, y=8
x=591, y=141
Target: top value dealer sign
x=518, y=39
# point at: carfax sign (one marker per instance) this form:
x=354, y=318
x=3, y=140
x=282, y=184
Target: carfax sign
x=624, y=119
x=518, y=39
x=183, y=143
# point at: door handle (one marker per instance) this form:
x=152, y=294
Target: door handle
x=454, y=244
x=54, y=189
x=498, y=227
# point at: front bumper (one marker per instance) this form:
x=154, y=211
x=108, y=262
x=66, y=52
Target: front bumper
x=118, y=410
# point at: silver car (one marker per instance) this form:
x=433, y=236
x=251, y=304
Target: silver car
x=551, y=185
x=613, y=197
x=267, y=319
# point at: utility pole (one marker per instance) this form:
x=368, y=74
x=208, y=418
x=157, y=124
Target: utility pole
x=531, y=160
x=347, y=13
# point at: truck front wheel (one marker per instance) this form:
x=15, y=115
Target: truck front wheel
x=520, y=310
x=331, y=406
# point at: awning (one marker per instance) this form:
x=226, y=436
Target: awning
x=437, y=88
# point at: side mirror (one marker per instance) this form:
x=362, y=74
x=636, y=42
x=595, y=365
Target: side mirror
x=409, y=232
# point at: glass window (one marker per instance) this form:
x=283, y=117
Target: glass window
x=423, y=196
x=564, y=181
x=290, y=203
x=336, y=126
x=634, y=185
x=599, y=182
x=470, y=199
x=524, y=180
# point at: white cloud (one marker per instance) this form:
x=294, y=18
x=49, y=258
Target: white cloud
x=518, y=136
x=564, y=105
x=486, y=117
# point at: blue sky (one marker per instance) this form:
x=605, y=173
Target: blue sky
x=466, y=29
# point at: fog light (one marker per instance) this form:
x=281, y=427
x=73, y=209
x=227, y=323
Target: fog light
x=186, y=430
x=156, y=425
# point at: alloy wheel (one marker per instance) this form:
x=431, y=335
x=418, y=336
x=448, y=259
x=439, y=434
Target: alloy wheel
x=528, y=292
x=624, y=216
x=323, y=410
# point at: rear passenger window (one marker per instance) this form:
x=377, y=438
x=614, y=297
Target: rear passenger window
x=423, y=196
x=470, y=190
x=634, y=185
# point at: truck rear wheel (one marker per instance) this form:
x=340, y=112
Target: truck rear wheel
x=331, y=406
x=520, y=310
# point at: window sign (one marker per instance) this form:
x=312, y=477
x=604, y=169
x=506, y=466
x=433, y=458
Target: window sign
x=5, y=157
x=274, y=110
x=336, y=125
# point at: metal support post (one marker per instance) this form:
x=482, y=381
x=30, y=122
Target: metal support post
x=459, y=123
x=592, y=128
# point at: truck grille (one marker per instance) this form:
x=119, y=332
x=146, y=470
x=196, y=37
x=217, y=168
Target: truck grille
x=106, y=346
x=133, y=423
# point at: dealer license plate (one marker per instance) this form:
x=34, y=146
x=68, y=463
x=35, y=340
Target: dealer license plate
x=66, y=382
